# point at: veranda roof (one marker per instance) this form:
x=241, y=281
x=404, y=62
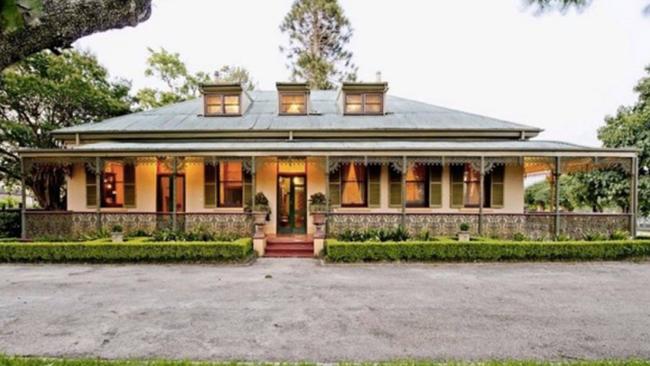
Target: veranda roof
x=334, y=147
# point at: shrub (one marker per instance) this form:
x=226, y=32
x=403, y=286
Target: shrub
x=464, y=226
x=619, y=235
x=317, y=202
x=485, y=251
x=398, y=233
x=117, y=229
x=9, y=224
x=130, y=252
x=594, y=236
x=519, y=237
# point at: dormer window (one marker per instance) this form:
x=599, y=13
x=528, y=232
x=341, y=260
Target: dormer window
x=293, y=98
x=222, y=104
x=363, y=98
x=222, y=99
x=364, y=103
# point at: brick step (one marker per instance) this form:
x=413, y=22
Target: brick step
x=290, y=246
x=289, y=254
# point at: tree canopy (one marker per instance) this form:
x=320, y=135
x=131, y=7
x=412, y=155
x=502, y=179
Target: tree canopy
x=318, y=32
x=29, y=26
x=45, y=92
x=180, y=83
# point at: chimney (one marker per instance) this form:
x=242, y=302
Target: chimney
x=378, y=76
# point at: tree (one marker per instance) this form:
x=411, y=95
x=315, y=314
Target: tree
x=45, y=92
x=318, y=33
x=180, y=84
x=538, y=196
x=29, y=26
x=564, y=5
x=630, y=127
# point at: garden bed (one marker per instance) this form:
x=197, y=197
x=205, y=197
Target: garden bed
x=448, y=250
x=132, y=251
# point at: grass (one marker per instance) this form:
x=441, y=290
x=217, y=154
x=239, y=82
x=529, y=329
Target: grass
x=34, y=361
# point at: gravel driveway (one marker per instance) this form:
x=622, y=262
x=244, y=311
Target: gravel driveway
x=308, y=311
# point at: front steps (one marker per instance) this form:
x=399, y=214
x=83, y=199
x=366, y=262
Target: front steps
x=290, y=246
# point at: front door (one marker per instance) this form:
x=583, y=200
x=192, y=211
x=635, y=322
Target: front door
x=292, y=204
x=165, y=201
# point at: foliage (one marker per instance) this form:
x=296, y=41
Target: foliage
x=630, y=127
x=9, y=202
x=318, y=32
x=9, y=223
x=261, y=203
x=519, y=237
x=200, y=233
x=464, y=226
x=398, y=233
x=46, y=92
x=538, y=196
x=16, y=14
x=339, y=251
x=318, y=202
x=564, y=5
x=180, y=84
x=117, y=229
x=129, y=252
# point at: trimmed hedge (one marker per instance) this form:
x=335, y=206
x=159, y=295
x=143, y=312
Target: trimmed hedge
x=485, y=251
x=133, y=252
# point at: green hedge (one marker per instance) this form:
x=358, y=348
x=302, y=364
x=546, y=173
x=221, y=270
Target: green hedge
x=136, y=252
x=485, y=251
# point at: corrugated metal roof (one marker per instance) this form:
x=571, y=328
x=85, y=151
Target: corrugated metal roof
x=402, y=114
x=333, y=145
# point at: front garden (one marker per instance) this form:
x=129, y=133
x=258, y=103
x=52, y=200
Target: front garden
x=397, y=244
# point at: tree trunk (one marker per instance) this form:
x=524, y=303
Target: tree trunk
x=64, y=21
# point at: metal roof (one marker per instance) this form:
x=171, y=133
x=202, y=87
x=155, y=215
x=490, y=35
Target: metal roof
x=262, y=115
x=337, y=146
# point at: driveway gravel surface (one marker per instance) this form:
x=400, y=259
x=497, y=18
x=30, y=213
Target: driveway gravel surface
x=296, y=309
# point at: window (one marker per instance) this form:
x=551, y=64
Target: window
x=466, y=183
x=226, y=185
x=222, y=104
x=293, y=103
x=116, y=186
x=353, y=185
x=417, y=180
x=364, y=103
x=231, y=183
x=472, y=181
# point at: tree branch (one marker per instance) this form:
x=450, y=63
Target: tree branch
x=65, y=21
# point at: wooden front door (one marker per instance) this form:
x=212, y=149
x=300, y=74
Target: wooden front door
x=292, y=204
x=164, y=201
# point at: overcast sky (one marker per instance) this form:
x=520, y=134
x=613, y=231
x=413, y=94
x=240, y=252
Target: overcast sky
x=562, y=73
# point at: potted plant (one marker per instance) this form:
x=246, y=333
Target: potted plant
x=117, y=234
x=463, y=235
x=261, y=210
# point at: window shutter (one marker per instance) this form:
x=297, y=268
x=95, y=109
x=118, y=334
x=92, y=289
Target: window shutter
x=129, y=185
x=374, y=186
x=498, y=175
x=210, y=185
x=335, y=188
x=91, y=189
x=395, y=199
x=435, y=186
x=247, y=193
x=457, y=186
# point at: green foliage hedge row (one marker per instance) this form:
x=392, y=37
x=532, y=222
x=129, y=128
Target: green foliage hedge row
x=338, y=251
x=135, y=252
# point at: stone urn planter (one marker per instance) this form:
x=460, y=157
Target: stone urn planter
x=117, y=234
x=463, y=235
x=261, y=210
x=318, y=210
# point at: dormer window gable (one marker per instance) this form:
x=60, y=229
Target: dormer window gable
x=222, y=99
x=364, y=98
x=293, y=99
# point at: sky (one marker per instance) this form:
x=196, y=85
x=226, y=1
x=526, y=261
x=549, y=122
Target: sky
x=560, y=72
